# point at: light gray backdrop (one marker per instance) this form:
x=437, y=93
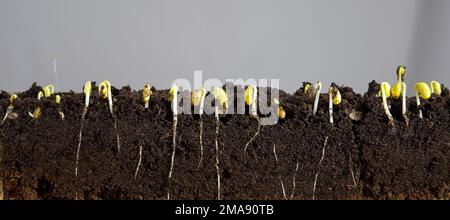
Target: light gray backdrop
x=156, y=41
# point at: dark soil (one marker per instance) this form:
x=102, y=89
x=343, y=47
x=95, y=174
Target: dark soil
x=362, y=159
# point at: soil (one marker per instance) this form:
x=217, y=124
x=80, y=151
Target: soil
x=301, y=157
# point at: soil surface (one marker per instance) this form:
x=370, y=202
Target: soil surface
x=128, y=155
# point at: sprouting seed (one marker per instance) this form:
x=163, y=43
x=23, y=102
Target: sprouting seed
x=58, y=101
x=104, y=91
x=317, y=88
x=436, y=87
x=307, y=86
x=334, y=99
x=47, y=91
x=173, y=98
x=422, y=91
x=385, y=90
x=399, y=89
x=198, y=100
x=87, y=90
x=10, y=107
x=280, y=110
x=250, y=98
x=221, y=100
x=146, y=93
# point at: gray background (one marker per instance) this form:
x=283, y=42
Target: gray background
x=132, y=42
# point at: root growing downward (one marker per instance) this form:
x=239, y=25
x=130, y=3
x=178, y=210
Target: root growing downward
x=79, y=140
x=174, y=145
x=217, y=160
x=279, y=176
x=254, y=136
x=320, y=164
x=139, y=162
x=117, y=134
x=293, y=181
x=201, y=143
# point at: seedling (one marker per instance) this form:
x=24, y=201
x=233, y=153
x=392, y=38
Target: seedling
x=436, y=88
x=58, y=101
x=173, y=98
x=334, y=99
x=399, y=89
x=198, y=101
x=87, y=94
x=385, y=90
x=221, y=100
x=146, y=93
x=250, y=98
x=46, y=92
x=10, y=107
x=422, y=91
x=317, y=89
x=104, y=91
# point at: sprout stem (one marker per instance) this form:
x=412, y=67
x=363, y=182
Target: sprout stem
x=418, y=105
x=316, y=100
x=385, y=105
x=404, y=104
x=330, y=106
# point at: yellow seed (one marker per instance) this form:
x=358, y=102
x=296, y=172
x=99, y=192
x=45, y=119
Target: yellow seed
x=37, y=113
x=87, y=89
x=401, y=70
x=58, y=99
x=436, y=87
x=307, y=86
x=198, y=96
x=146, y=93
x=11, y=101
x=49, y=90
x=221, y=96
x=396, y=90
x=386, y=88
x=40, y=95
x=103, y=89
x=423, y=90
x=249, y=95
x=336, y=95
x=172, y=91
x=281, y=112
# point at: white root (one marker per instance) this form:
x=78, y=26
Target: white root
x=79, y=140
x=139, y=162
x=174, y=106
x=201, y=143
x=293, y=180
x=174, y=147
x=320, y=164
x=279, y=176
x=217, y=153
x=352, y=173
x=8, y=111
x=330, y=108
x=117, y=134
x=254, y=136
